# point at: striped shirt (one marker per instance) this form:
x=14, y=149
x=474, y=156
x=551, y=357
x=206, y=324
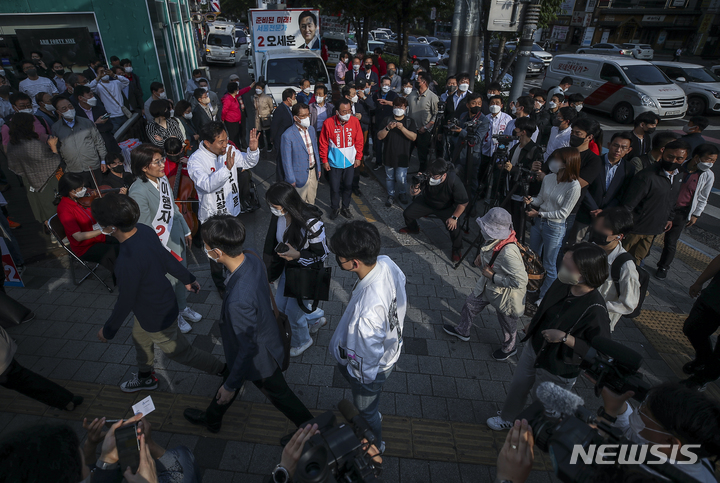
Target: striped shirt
x=171, y=131
x=308, y=144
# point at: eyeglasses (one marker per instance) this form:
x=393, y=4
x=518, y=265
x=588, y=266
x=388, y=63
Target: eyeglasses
x=620, y=147
x=157, y=162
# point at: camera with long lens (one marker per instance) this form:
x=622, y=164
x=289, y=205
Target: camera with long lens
x=501, y=151
x=614, y=366
x=420, y=179
x=339, y=453
x=453, y=123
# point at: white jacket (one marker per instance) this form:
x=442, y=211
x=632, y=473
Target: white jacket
x=702, y=193
x=368, y=338
x=629, y=297
x=215, y=184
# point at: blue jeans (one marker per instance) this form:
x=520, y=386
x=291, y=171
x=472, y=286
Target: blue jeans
x=395, y=178
x=117, y=123
x=366, y=398
x=299, y=320
x=190, y=469
x=547, y=236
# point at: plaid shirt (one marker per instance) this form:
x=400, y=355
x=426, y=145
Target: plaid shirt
x=308, y=144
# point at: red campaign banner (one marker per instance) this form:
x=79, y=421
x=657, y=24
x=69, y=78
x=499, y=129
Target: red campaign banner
x=12, y=276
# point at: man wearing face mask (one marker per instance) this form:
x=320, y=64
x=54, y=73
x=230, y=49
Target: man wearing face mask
x=561, y=130
x=58, y=71
x=354, y=73
x=204, y=112
x=498, y=123
x=546, y=116
x=607, y=232
x=135, y=93
x=473, y=114
x=91, y=71
x=395, y=81
x=321, y=109
x=407, y=88
x=671, y=416
x=523, y=108
x=364, y=106
x=341, y=69
x=81, y=145
x=455, y=104
x=693, y=130
x=383, y=100
x=109, y=89
x=565, y=85
x=282, y=119
x=34, y=82
x=445, y=196
x=423, y=108
x=45, y=109
x=88, y=106
x=397, y=133
x=644, y=126
x=305, y=96
x=652, y=196
x=692, y=200
x=450, y=88
x=157, y=92
x=193, y=83
x=300, y=154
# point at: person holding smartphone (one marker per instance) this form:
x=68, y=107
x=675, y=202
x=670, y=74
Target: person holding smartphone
x=295, y=238
x=141, y=270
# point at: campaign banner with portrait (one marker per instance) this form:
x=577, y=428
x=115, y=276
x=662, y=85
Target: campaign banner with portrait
x=294, y=29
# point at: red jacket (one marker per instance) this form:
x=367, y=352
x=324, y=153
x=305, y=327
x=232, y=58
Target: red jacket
x=340, y=143
x=231, y=107
x=75, y=218
x=382, y=67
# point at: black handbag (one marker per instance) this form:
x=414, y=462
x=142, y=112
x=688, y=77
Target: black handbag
x=12, y=312
x=306, y=283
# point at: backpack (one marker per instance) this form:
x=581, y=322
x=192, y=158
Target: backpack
x=621, y=260
x=533, y=266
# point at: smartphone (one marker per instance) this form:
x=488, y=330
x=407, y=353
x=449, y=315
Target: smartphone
x=105, y=116
x=110, y=422
x=128, y=447
x=281, y=248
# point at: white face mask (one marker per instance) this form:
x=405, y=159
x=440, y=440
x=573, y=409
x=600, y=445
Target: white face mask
x=386, y=88
x=102, y=230
x=513, y=109
x=555, y=165
x=128, y=69
x=319, y=99
x=354, y=99
x=188, y=115
x=579, y=107
x=162, y=95
x=207, y=253
x=105, y=78
x=687, y=128
x=407, y=90
x=344, y=118
x=568, y=277
x=552, y=104
x=206, y=88
x=705, y=166
x=434, y=182
x=27, y=111
x=275, y=211
x=81, y=192
x=416, y=66
x=356, y=67
x=399, y=111
x=258, y=91
x=69, y=115
x=49, y=107
x=172, y=112
x=463, y=87
x=489, y=95
x=92, y=101
x=305, y=122
x=308, y=91
x=538, y=105
x=367, y=90
x=494, y=109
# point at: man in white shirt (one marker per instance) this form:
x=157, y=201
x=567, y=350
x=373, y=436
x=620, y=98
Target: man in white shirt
x=561, y=130
x=498, y=123
x=213, y=168
x=35, y=84
x=59, y=71
x=368, y=339
x=109, y=89
x=523, y=107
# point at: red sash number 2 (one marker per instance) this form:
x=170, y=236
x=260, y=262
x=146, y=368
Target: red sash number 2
x=160, y=230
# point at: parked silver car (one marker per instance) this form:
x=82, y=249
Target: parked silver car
x=640, y=51
x=605, y=49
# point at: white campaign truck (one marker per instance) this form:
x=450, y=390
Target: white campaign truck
x=285, y=49
x=220, y=43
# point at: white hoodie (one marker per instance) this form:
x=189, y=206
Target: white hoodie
x=369, y=335
x=215, y=184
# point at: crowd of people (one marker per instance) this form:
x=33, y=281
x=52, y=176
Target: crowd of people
x=592, y=207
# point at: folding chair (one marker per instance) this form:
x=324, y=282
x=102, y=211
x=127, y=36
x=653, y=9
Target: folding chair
x=58, y=231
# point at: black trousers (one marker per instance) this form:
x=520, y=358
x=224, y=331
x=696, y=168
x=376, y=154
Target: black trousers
x=517, y=213
x=104, y=253
x=244, y=178
x=277, y=391
x=418, y=208
x=341, y=183
x=423, y=148
x=672, y=236
x=699, y=326
x=233, y=131
x=33, y=385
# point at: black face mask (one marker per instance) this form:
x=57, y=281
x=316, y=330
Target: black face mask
x=31, y=72
x=598, y=238
x=669, y=166
x=174, y=157
x=576, y=141
x=118, y=169
x=452, y=88
x=368, y=66
x=650, y=130
x=475, y=109
x=60, y=71
x=555, y=121
x=341, y=264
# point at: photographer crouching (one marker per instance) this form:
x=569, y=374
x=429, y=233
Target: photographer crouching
x=439, y=192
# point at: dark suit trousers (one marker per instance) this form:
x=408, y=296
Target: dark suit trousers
x=341, y=181
x=277, y=391
x=233, y=130
x=33, y=385
x=672, y=236
x=423, y=148
x=418, y=209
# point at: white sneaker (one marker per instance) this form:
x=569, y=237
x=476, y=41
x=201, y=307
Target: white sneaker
x=191, y=315
x=296, y=351
x=316, y=326
x=498, y=424
x=183, y=325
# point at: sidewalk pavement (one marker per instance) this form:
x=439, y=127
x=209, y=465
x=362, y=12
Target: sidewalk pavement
x=435, y=403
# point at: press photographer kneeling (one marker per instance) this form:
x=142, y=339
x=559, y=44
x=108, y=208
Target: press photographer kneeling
x=438, y=192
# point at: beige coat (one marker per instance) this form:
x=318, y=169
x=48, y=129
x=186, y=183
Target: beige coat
x=507, y=292
x=263, y=109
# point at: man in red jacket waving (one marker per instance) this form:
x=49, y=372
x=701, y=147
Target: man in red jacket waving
x=341, y=149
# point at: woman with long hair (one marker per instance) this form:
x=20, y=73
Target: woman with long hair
x=559, y=192
x=86, y=238
x=297, y=226
x=571, y=315
x=36, y=162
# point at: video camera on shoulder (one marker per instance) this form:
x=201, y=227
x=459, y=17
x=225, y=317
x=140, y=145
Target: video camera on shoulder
x=338, y=453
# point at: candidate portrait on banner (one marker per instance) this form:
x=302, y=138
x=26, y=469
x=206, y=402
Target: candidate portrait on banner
x=308, y=23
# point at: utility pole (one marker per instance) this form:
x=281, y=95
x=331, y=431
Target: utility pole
x=529, y=25
x=465, y=38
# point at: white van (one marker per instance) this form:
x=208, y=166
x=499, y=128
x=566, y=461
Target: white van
x=287, y=68
x=701, y=86
x=622, y=87
x=220, y=43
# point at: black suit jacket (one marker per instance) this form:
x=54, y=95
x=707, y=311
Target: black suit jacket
x=351, y=76
x=200, y=117
x=599, y=198
x=451, y=112
x=281, y=120
x=135, y=93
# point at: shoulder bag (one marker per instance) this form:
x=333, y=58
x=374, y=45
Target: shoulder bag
x=124, y=109
x=307, y=283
